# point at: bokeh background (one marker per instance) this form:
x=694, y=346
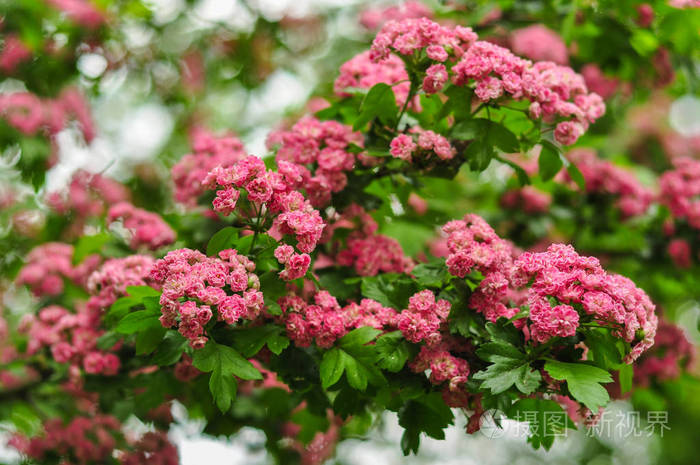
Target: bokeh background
x=148, y=71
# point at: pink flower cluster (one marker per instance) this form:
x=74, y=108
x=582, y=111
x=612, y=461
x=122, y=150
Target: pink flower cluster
x=269, y=192
x=13, y=53
x=147, y=229
x=556, y=93
x=558, y=287
x=48, y=265
x=427, y=144
x=680, y=252
x=374, y=254
x=473, y=244
x=88, y=195
x=72, y=338
x=360, y=72
x=411, y=36
x=598, y=82
x=539, y=43
x=320, y=150
x=208, y=152
x=200, y=280
x=373, y=18
x=110, y=281
x=672, y=354
x=528, y=199
x=94, y=439
x=86, y=440
x=684, y=3
x=82, y=12
x=603, y=177
x=424, y=318
x=324, y=321
x=368, y=252
x=295, y=265
x=563, y=287
x=153, y=448
x=443, y=366
x=29, y=113
x=680, y=190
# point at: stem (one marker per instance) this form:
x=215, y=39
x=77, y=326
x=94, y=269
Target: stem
x=478, y=109
x=255, y=230
x=409, y=97
x=514, y=109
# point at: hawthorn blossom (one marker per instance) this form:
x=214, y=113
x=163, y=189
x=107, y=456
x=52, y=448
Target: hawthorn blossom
x=147, y=229
x=200, y=280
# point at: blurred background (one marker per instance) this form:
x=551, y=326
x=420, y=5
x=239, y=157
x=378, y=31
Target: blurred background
x=137, y=76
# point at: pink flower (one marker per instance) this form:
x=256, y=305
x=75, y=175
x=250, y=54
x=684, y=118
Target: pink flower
x=225, y=201
x=295, y=267
x=568, y=132
x=437, y=53
x=283, y=253
x=548, y=322
x=679, y=250
x=402, y=146
x=435, y=79
x=489, y=88
x=13, y=53
x=539, y=43
x=147, y=229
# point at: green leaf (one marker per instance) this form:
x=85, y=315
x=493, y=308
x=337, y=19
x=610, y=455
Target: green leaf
x=108, y=340
x=88, y=245
x=503, y=332
x=388, y=289
x=25, y=418
x=223, y=362
x=122, y=306
x=479, y=154
x=140, y=320
x=510, y=365
x=358, y=337
x=545, y=417
x=223, y=388
x=249, y=341
x=332, y=367
x=215, y=356
x=393, y=351
x=379, y=103
x=430, y=274
x=355, y=374
x=310, y=424
x=644, y=42
x=576, y=175
x=170, y=349
x=523, y=178
x=222, y=240
x=503, y=138
x=272, y=287
x=353, y=358
x=550, y=161
x=603, y=351
x=489, y=132
x=583, y=382
x=458, y=102
x=427, y=414
x=506, y=372
x=148, y=340
x=626, y=375
x=499, y=348
x=140, y=292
